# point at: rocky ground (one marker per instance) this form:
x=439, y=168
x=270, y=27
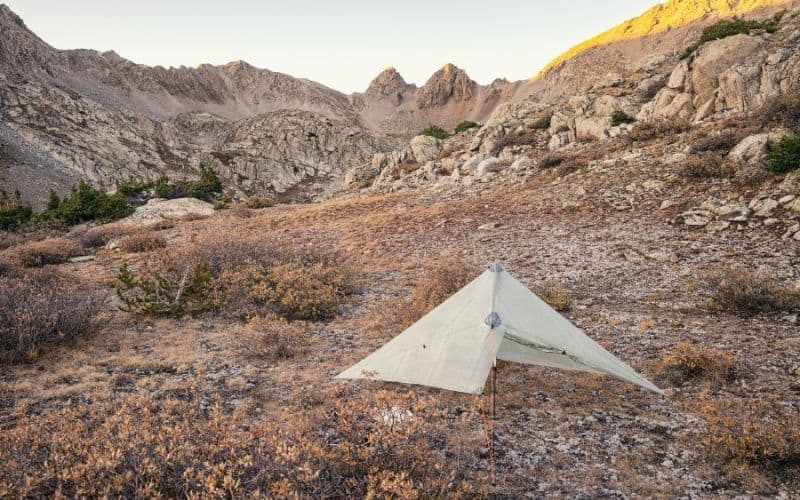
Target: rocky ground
x=634, y=275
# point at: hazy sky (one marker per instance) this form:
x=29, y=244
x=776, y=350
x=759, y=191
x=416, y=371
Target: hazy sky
x=342, y=44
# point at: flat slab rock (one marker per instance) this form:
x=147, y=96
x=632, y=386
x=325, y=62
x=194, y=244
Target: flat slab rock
x=157, y=209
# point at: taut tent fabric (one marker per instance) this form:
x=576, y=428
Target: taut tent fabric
x=494, y=317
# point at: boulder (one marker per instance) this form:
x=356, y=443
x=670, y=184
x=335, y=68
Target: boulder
x=425, y=148
x=734, y=213
x=489, y=165
x=751, y=152
x=716, y=57
x=522, y=163
x=472, y=164
x=763, y=207
x=157, y=209
x=678, y=77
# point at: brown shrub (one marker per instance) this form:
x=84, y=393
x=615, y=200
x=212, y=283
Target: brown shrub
x=142, y=241
x=686, y=362
x=42, y=309
x=551, y=160
x=302, y=290
x=748, y=293
x=722, y=141
x=555, y=294
x=258, y=202
x=133, y=447
x=9, y=239
x=100, y=236
x=705, y=165
x=45, y=252
x=271, y=338
x=753, y=434
x=645, y=131
x=783, y=110
x=516, y=139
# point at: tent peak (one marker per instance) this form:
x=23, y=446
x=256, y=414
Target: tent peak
x=496, y=268
x=493, y=320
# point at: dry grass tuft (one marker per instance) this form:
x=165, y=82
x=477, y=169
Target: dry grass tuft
x=100, y=236
x=142, y=241
x=302, y=290
x=135, y=447
x=555, y=294
x=721, y=142
x=686, y=362
x=258, y=202
x=748, y=293
x=45, y=252
x=706, y=165
x=646, y=131
x=42, y=309
x=271, y=338
x=752, y=437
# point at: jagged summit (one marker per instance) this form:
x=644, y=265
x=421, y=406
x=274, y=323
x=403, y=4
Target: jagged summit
x=449, y=83
x=388, y=83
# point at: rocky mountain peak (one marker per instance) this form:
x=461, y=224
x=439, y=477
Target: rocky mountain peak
x=388, y=83
x=8, y=16
x=449, y=83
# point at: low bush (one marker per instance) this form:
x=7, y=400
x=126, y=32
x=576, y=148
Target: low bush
x=45, y=252
x=551, y=160
x=620, y=117
x=164, y=288
x=133, y=447
x=258, y=202
x=13, y=212
x=464, y=126
x=516, y=139
x=100, y=236
x=302, y=290
x=42, y=309
x=785, y=155
x=555, y=294
x=748, y=293
x=649, y=130
x=686, y=362
x=705, y=165
x=436, y=132
x=722, y=141
x=143, y=241
x=730, y=27
x=271, y=338
x=756, y=434
x=782, y=111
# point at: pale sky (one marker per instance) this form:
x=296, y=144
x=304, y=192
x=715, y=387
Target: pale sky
x=342, y=44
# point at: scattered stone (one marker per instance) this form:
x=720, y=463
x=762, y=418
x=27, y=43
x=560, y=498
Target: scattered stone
x=763, y=207
x=786, y=199
x=717, y=226
x=425, y=148
x=734, y=213
x=695, y=217
x=489, y=165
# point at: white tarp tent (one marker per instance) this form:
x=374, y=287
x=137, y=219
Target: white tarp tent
x=494, y=317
